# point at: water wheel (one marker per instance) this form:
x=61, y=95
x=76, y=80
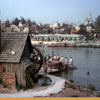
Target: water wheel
x=37, y=62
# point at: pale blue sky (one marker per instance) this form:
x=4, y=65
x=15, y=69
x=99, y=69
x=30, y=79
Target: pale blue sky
x=46, y=11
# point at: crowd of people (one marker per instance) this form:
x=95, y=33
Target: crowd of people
x=56, y=58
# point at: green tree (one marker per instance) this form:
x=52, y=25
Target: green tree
x=29, y=22
x=16, y=21
x=33, y=22
x=42, y=32
x=7, y=23
x=23, y=21
x=82, y=30
x=97, y=24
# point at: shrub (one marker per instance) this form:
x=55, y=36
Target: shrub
x=91, y=87
x=1, y=81
x=44, y=84
x=4, y=86
x=98, y=95
x=75, y=96
x=72, y=81
x=69, y=86
x=21, y=87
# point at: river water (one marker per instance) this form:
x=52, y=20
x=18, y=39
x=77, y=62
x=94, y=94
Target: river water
x=85, y=59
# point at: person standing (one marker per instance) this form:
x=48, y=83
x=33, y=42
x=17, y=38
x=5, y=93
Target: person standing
x=57, y=57
x=70, y=61
x=60, y=62
x=54, y=58
x=65, y=61
x=46, y=70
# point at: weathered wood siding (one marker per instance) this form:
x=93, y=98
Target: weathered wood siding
x=18, y=69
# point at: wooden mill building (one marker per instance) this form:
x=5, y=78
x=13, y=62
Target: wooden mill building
x=15, y=54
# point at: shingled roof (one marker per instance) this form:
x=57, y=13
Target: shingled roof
x=13, y=44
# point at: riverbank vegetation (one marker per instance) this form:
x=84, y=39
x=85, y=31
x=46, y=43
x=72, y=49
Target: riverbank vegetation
x=91, y=87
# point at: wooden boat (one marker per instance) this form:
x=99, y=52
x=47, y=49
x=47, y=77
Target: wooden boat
x=60, y=66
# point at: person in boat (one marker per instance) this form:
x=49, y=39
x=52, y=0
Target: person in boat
x=48, y=57
x=66, y=61
x=60, y=62
x=54, y=58
x=62, y=59
x=50, y=61
x=57, y=57
x=70, y=61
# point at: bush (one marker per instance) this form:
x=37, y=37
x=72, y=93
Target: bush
x=75, y=96
x=72, y=81
x=44, y=84
x=98, y=95
x=1, y=81
x=69, y=86
x=4, y=86
x=91, y=87
x=21, y=87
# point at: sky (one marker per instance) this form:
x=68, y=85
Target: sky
x=47, y=11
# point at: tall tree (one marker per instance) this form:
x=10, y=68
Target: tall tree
x=33, y=22
x=82, y=30
x=7, y=23
x=23, y=21
x=29, y=22
x=16, y=21
x=97, y=24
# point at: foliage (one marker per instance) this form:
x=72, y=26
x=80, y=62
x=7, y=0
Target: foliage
x=21, y=87
x=82, y=30
x=72, y=81
x=4, y=85
x=1, y=81
x=45, y=81
x=7, y=23
x=69, y=86
x=74, y=96
x=41, y=32
x=16, y=21
x=98, y=95
x=97, y=24
x=44, y=84
x=23, y=21
x=91, y=87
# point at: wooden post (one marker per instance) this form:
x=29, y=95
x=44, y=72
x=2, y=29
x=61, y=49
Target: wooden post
x=87, y=82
